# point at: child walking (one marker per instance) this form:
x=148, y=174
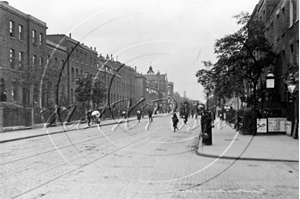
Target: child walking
x=175, y=121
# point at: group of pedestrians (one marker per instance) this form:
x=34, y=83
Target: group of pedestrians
x=206, y=123
x=139, y=115
x=93, y=116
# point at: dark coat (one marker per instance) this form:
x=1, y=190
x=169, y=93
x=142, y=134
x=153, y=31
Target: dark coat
x=206, y=128
x=175, y=119
x=138, y=115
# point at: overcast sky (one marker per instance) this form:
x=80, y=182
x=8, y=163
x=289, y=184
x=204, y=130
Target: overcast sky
x=175, y=36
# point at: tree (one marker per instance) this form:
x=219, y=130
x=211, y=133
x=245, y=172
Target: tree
x=241, y=59
x=90, y=89
x=34, y=77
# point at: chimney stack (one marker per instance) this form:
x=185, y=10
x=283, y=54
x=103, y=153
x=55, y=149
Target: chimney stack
x=70, y=35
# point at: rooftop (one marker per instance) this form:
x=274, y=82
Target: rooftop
x=5, y=5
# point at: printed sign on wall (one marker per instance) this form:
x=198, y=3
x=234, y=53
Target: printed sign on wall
x=277, y=124
x=262, y=125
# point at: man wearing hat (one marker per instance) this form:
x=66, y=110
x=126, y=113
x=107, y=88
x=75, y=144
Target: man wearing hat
x=206, y=126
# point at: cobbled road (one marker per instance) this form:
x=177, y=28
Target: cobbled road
x=132, y=162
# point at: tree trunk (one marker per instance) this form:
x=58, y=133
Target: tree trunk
x=255, y=104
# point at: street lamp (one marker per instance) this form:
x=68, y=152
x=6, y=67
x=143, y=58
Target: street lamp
x=270, y=80
x=206, y=91
x=291, y=84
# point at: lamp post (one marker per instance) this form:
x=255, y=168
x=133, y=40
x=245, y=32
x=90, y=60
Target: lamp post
x=206, y=91
x=270, y=80
x=291, y=85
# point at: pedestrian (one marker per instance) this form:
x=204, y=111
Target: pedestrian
x=138, y=115
x=206, y=128
x=89, y=116
x=192, y=113
x=175, y=121
x=185, y=116
x=213, y=117
x=150, y=115
x=96, y=116
x=123, y=114
x=221, y=116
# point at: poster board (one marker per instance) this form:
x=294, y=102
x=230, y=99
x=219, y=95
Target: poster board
x=289, y=128
x=282, y=125
x=277, y=124
x=262, y=125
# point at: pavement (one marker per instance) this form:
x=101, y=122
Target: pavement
x=23, y=133
x=227, y=143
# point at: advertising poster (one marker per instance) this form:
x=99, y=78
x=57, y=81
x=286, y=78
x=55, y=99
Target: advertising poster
x=277, y=124
x=282, y=125
x=262, y=125
x=288, y=127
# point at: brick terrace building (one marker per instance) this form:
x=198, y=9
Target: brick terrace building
x=107, y=71
x=56, y=55
x=24, y=38
x=83, y=59
x=22, y=41
x=281, y=18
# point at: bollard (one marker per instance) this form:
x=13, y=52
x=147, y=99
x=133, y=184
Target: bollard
x=1, y=119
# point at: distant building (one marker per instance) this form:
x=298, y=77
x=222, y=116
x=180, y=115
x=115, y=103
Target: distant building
x=119, y=87
x=160, y=83
x=170, y=89
x=83, y=59
x=140, y=86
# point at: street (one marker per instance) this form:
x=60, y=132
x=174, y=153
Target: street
x=135, y=161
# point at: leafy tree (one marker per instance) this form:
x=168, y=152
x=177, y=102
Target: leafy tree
x=90, y=89
x=241, y=59
x=35, y=76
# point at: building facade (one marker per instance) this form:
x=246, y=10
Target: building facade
x=170, y=89
x=24, y=40
x=281, y=18
x=159, y=82
x=22, y=44
x=82, y=59
x=123, y=85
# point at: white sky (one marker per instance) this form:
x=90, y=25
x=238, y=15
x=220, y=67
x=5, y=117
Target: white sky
x=174, y=35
